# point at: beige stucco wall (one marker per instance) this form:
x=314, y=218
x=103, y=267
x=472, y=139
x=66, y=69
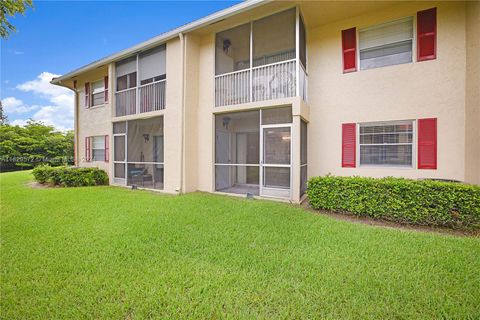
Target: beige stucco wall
x=191, y=125
x=173, y=118
x=94, y=121
x=206, y=135
x=472, y=106
x=415, y=90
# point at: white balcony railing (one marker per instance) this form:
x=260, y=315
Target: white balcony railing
x=151, y=97
x=232, y=88
x=272, y=81
x=125, y=102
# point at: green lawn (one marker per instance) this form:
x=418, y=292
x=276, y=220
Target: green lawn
x=106, y=252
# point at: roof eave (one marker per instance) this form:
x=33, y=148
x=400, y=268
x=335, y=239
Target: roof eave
x=220, y=15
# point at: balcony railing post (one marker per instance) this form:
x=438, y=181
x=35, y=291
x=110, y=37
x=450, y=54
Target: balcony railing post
x=137, y=100
x=251, y=64
x=297, y=51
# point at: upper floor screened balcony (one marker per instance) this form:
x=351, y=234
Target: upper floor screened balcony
x=141, y=82
x=261, y=60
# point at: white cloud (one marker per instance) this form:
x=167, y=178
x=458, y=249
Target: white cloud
x=14, y=105
x=42, y=86
x=11, y=102
x=59, y=111
x=19, y=122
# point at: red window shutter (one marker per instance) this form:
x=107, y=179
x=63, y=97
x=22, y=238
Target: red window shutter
x=87, y=94
x=87, y=149
x=427, y=34
x=107, y=149
x=427, y=143
x=105, y=80
x=349, y=50
x=349, y=135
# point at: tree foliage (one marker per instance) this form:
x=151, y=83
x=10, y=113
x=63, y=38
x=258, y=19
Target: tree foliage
x=9, y=8
x=3, y=116
x=34, y=144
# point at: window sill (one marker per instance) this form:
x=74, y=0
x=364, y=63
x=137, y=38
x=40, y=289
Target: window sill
x=386, y=166
x=97, y=107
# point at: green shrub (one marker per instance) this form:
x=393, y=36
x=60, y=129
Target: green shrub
x=41, y=173
x=70, y=176
x=423, y=202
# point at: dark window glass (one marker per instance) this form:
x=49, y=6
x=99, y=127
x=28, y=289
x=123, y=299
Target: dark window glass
x=122, y=83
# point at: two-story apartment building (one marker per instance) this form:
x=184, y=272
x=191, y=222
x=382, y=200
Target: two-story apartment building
x=257, y=98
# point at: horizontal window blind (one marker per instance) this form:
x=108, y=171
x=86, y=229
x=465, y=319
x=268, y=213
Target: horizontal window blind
x=388, y=144
x=98, y=148
x=387, y=33
x=98, y=86
x=98, y=142
x=126, y=66
x=386, y=44
x=152, y=63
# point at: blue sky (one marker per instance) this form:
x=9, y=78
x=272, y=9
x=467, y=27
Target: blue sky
x=58, y=36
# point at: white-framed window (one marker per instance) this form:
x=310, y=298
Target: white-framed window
x=386, y=143
x=98, y=93
x=126, y=73
x=127, y=81
x=386, y=44
x=98, y=148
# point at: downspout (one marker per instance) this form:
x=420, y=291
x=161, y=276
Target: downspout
x=182, y=86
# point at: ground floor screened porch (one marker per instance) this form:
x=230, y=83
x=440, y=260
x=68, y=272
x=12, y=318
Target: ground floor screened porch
x=261, y=152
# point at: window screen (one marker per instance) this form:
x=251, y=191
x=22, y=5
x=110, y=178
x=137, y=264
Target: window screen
x=303, y=43
x=277, y=115
x=119, y=127
x=232, y=49
x=303, y=157
x=389, y=144
x=237, y=152
x=274, y=38
x=386, y=44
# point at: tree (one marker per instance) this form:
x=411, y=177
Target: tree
x=9, y=8
x=3, y=116
x=34, y=144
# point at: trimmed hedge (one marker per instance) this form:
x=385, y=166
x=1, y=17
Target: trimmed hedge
x=423, y=202
x=70, y=176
